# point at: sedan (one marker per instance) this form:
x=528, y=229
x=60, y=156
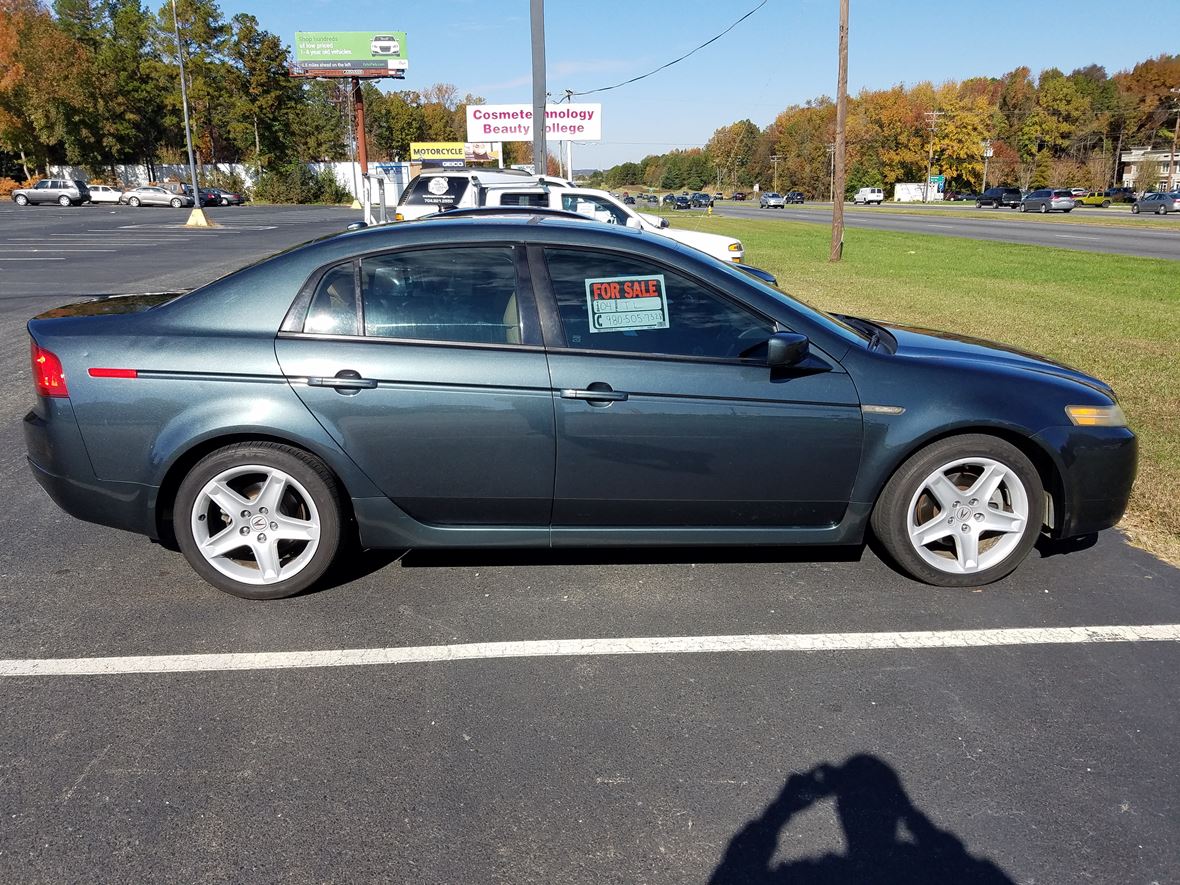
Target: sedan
x=227, y=198
x=154, y=196
x=771, y=201
x=1048, y=200
x=737, y=195
x=1160, y=204
x=534, y=381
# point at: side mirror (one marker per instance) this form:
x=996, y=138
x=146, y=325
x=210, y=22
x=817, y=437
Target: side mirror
x=357, y=225
x=633, y=222
x=786, y=349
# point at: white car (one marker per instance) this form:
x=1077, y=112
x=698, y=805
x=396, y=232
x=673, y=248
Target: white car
x=384, y=45
x=602, y=206
x=869, y=195
x=104, y=193
x=436, y=190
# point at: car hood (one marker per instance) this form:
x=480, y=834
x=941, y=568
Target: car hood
x=919, y=343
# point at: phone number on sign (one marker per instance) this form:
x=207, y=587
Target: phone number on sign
x=630, y=319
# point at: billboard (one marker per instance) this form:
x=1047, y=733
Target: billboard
x=351, y=53
x=514, y=122
x=463, y=152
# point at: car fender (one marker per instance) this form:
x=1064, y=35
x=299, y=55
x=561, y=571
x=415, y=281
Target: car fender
x=716, y=245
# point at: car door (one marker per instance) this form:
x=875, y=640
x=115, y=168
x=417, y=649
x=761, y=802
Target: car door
x=42, y=192
x=667, y=414
x=434, y=381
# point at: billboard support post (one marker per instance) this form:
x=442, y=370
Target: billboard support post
x=537, y=21
x=362, y=147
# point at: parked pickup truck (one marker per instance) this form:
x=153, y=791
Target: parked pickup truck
x=601, y=206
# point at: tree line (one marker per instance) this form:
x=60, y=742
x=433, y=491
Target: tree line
x=1048, y=130
x=95, y=83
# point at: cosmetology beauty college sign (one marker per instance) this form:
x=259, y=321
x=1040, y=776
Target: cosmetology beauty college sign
x=514, y=122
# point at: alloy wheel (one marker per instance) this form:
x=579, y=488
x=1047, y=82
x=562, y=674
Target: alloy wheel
x=967, y=516
x=256, y=524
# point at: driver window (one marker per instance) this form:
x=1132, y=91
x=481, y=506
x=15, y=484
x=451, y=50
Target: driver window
x=615, y=303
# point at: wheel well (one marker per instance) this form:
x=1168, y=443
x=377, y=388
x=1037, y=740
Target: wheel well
x=166, y=497
x=1046, y=469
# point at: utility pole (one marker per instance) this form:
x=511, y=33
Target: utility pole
x=776, y=158
x=932, y=122
x=837, y=250
x=197, y=216
x=987, y=155
x=537, y=22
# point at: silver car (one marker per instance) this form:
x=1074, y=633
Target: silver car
x=154, y=196
x=1160, y=204
x=772, y=201
x=1048, y=200
x=63, y=191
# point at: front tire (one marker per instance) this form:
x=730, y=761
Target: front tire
x=259, y=520
x=1044, y=208
x=963, y=512
x=133, y=202
x=1023, y=208
x=21, y=200
x=1134, y=208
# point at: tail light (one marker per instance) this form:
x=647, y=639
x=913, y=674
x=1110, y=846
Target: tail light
x=48, y=376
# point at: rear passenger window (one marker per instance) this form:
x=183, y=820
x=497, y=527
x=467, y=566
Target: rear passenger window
x=333, y=307
x=532, y=200
x=451, y=294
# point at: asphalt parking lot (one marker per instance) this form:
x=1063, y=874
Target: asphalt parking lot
x=657, y=716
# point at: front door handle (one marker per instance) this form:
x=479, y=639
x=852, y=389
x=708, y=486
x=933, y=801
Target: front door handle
x=346, y=380
x=604, y=395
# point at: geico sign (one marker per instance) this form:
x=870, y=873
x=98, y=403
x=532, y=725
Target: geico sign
x=514, y=122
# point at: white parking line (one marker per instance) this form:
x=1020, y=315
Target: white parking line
x=662, y=645
x=32, y=259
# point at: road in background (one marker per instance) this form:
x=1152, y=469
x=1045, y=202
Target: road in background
x=1056, y=763
x=1127, y=240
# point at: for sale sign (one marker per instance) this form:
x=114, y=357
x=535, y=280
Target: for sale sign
x=627, y=304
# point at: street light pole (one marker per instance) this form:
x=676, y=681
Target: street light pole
x=932, y=120
x=197, y=216
x=537, y=22
x=987, y=155
x=775, y=158
x=1175, y=135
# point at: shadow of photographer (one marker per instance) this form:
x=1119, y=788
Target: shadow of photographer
x=888, y=839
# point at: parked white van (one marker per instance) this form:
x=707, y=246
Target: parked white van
x=869, y=195
x=435, y=190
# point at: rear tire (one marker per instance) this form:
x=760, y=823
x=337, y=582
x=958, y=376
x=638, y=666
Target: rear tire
x=63, y=200
x=1106, y=204
x=963, y=512
x=175, y=203
x=1044, y=208
x=290, y=532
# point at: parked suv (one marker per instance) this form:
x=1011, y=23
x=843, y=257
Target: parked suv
x=435, y=190
x=869, y=195
x=999, y=196
x=793, y=197
x=1049, y=200
x=63, y=191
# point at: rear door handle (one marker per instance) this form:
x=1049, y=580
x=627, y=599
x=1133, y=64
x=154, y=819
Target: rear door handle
x=346, y=379
x=610, y=396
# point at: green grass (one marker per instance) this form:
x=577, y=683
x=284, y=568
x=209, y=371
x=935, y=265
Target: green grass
x=1113, y=316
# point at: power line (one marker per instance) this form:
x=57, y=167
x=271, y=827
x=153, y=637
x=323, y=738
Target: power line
x=674, y=61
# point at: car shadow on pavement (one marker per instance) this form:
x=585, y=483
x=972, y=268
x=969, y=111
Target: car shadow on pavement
x=889, y=841
x=463, y=558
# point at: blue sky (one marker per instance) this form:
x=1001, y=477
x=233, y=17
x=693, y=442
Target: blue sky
x=784, y=54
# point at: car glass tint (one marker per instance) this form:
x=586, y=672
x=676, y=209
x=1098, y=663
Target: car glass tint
x=333, y=307
x=454, y=294
x=435, y=190
x=612, y=302
x=531, y=200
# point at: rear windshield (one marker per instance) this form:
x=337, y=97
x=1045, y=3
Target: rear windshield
x=435, y=190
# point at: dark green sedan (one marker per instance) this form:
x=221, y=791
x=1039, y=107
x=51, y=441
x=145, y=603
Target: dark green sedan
x=530, y=380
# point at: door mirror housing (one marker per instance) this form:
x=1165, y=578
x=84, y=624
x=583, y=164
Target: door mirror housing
x=785, y=349
x=634, y=223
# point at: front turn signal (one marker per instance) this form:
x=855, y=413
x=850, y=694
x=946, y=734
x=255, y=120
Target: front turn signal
x=735, y=246
x=1097, y=416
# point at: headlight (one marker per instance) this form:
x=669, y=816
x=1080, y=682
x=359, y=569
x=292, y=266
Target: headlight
x=1097, y=416
x=735, y=246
